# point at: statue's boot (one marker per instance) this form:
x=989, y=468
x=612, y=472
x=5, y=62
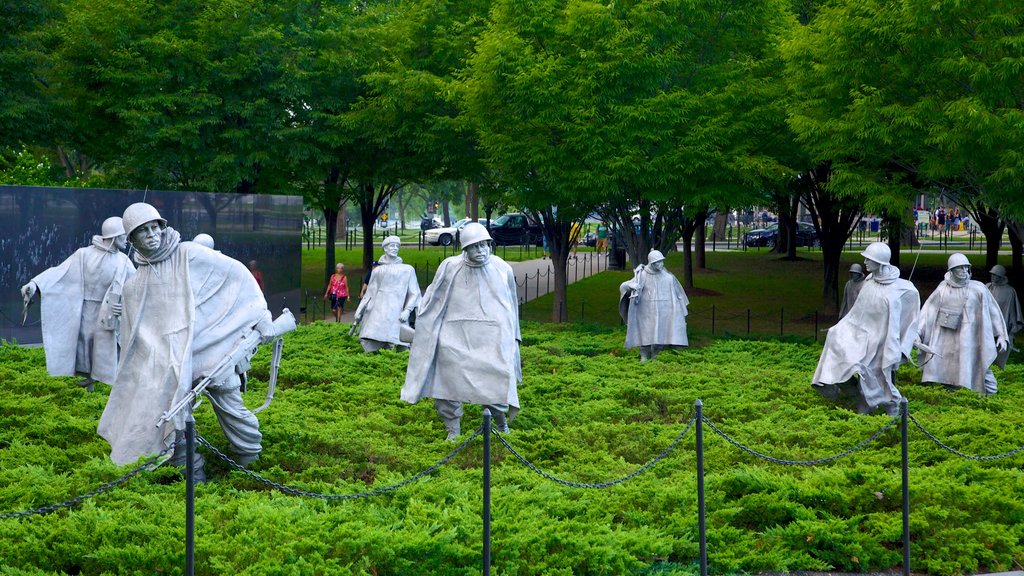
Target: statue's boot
x=499, y=421
x=452, y=426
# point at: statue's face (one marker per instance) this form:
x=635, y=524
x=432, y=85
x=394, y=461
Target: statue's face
x=962, y=273
x=658, y=266
x=120, y=242
x=147, y=237
x=479, y=252
x=871, y=266
x=391, y=250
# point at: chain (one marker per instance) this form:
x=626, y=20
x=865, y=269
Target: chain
x=962, y=454
x=610, y=483
x=826, y=460
x=86, y=495
x=296, y=492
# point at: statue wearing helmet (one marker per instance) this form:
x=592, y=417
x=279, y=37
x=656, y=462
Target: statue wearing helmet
x=184, y=314
x=852, y=288
x=1006, y=298
x=962, y=331
x=466, y=347
x=390, y=298
x=79, y=326
x=863, y=350
x=653, y=306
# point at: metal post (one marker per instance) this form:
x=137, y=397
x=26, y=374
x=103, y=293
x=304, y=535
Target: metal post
x=701, y=511
x=748, y=321
x=906, y=487
x=583, y=309
x=537, y=285
x=190, y=495
x=815, y=325
x=782, y=316
x=487, y=492
x=547, y=280
x=712, y=319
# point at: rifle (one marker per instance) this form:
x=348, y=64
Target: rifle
x=239, y=356
x=275, y=365
x=24, y=310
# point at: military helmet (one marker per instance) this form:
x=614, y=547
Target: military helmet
x=878, y=252
x=204, y=240
x=473, y=233
x=138, y=214
x=655, y=256
x=956, y=260
x=112, y=227
x=856, y=268
x=998, y=270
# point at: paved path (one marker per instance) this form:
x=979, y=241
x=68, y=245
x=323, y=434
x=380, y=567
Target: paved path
x=534, y=278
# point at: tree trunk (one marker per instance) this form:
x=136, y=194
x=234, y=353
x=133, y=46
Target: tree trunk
x=472, y=201
x=991, y=226
x=557, y=232
x=1016, y=231
x=367, y=217
x=331, y=221
x=718, y=233
x=688, y=260
x=447, y=212
x=700, y=259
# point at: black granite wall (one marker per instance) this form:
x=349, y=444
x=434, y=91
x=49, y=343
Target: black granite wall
x=41, y=226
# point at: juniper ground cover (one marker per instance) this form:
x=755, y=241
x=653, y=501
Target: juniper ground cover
x=591, y=413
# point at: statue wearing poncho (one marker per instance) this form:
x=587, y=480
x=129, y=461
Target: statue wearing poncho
x=873, y=339
x=1006, y=298
x=653, y=305
x=79, y=332
x=390, y=298
x=184, y=312
x=466, y=347
x=963, y=325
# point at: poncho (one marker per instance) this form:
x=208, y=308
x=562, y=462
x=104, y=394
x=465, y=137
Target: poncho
x=873, y=339
x=184, y=311
x=77, y=294
x=656, y=309
x=467, y=336
x=963, y=354
x=392, y=289
x=1006, y=298
x=850, y=292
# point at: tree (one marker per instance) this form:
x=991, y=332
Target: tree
x=903, y=97
x=623, y=105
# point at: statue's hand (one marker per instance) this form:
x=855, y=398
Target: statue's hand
x=1002, y=344
x=28, y=291
x=404, y=317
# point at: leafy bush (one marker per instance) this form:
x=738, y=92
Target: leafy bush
x=591, y=413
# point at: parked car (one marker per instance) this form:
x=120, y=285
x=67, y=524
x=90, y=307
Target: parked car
x=769, y=236
x=516, y=229
x=445, y=235
x=589, y=239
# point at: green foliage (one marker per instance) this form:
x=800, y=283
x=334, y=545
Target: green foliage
x=590, y=413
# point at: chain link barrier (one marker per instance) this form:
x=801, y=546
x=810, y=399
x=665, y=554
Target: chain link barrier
x=952, y=450
x=609, y=483
x=43, y=510
x=296, y=492
x=825, y=460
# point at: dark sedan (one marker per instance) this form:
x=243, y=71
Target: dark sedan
x=769, y=236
